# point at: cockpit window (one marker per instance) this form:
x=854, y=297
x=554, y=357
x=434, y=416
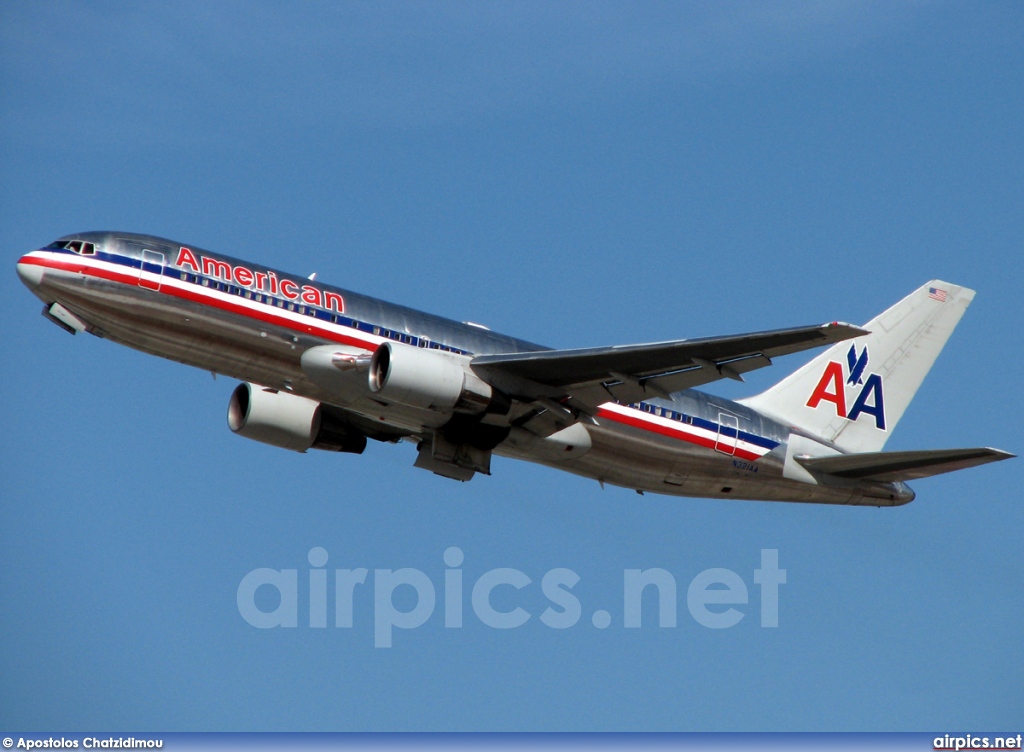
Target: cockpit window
x=76, y=246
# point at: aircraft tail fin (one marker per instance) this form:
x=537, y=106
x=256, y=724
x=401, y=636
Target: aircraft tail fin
x=855, y=392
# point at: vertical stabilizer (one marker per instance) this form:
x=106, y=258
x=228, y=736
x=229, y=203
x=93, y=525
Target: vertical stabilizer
x=855, y=392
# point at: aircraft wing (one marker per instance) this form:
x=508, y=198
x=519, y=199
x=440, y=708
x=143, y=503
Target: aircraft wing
x=894, y=466
x=566, y=384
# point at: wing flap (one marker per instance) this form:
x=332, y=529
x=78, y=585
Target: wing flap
x=889, y=467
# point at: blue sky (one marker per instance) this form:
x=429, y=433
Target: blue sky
x=573, y=174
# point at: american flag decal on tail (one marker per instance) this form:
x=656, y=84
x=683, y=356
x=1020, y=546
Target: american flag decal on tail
x=936, y=294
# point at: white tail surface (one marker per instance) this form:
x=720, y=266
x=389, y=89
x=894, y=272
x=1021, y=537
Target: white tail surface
x=855, y=392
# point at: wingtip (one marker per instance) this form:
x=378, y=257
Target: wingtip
x=840, y=330
x=1001, y=454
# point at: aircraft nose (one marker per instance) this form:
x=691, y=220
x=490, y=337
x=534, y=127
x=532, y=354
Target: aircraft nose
x=31, y=274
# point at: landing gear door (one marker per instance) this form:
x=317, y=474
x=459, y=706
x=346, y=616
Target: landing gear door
x=151, y=270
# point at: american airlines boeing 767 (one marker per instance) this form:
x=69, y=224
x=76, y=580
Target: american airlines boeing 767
x=325, y=368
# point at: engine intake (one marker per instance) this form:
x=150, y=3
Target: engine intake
x=289, y=421
x=428, y=379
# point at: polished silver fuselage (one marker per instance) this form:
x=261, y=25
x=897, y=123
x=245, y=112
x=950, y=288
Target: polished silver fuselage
x=133, y=291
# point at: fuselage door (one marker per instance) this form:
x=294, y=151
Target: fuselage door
x=151, y=271
x=728, y=433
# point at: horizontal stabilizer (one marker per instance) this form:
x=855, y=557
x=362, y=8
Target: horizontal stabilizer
x=889, y=467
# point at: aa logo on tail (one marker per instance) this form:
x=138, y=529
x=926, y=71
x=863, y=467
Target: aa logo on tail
x=832, y=387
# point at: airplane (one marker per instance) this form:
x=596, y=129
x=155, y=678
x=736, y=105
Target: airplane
x=326, y=368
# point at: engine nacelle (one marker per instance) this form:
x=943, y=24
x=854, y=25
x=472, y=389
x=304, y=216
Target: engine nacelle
x=428, y=379
x=289, y=421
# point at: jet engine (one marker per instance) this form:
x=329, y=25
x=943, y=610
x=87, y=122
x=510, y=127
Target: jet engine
x=289, y=421
x=429, y=379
